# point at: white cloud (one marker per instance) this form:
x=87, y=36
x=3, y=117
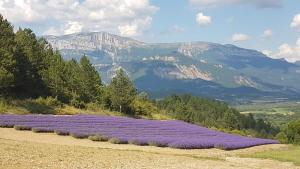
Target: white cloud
x=238, y=37
x=20, y=11
x=296, y=22
x=203, y=20
x=290, y=53
x=256, y=3
x=126, y=17
x=267, y=52
x=73, y=27
x=128, y=30
x=267, y=34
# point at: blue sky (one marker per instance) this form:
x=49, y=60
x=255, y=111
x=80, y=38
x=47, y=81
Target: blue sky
x=272, y=26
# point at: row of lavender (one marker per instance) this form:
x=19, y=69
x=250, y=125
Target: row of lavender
x=176, y=134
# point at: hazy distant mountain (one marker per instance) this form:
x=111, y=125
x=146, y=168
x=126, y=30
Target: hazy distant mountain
x=208, y=69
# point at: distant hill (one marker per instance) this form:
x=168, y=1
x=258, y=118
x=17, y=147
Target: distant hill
x=224, y=72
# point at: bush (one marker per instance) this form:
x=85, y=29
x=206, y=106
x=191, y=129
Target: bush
x=49, y=101
x=6, y=125
x=42, y=130
x=98, y=138
x=115, y=140
x=137, y=142
x=238, y=132
x=79, y=135
x=282, y=138
x=157, y=144
x=20, y=127
x=77, y=103
x=94, y=107
x=93, y=138
x=297, y=139
x=3, y=106
x=61, y=132
x=143, y=107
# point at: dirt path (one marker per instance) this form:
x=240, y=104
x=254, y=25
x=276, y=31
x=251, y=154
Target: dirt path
x=25, y=149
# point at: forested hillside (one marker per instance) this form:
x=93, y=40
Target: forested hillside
x=31, y=69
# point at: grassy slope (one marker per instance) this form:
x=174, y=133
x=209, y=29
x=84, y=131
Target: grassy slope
x=34, y=107
x=289, y=154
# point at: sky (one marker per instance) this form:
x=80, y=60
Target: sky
x=270, y=26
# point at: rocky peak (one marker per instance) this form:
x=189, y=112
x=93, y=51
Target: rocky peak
x=91, y=41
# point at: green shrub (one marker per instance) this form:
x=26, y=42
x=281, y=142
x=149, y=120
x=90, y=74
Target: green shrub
x=297, y=139
x=49, y=101
x=282, y=138
x=238, y=132
x=143, y=107
x=77, y=103
x=37, y=107
x=94, y=107
x=3, y=106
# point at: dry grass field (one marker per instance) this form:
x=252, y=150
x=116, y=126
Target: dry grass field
x=25, y=149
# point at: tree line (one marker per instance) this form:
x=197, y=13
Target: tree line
x=31, y=68
x=212, y=113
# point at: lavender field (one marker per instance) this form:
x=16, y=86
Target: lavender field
x=121, y=130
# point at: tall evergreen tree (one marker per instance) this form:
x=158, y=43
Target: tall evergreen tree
x=91, y=81
x=31, y=64
x=122, y=92
x=7, y=58
x=55, y=77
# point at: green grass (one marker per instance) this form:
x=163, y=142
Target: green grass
x=279, y=114
x=49, y=106
x=289, y=154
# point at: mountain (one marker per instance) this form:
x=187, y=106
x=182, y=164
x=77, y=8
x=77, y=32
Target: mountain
x=224, y=72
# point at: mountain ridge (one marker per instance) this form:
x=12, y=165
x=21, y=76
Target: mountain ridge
x=227, y=66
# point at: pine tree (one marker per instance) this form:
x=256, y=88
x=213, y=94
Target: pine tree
x=7, y=58
x=55, y=77
x=31, y=64
x=91, y=81
x=122, y=92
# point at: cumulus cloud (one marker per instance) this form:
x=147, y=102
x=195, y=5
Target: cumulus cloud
x=125, y=17
x=203, y=20
x=73, y=27
x=256, y=3
x=267, y=52
x=296, y=22
x=267, y=34
x=290, y=53
x=238, y=37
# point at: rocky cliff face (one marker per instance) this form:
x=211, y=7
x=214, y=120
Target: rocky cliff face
x=223, y=65
x=91, y=41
